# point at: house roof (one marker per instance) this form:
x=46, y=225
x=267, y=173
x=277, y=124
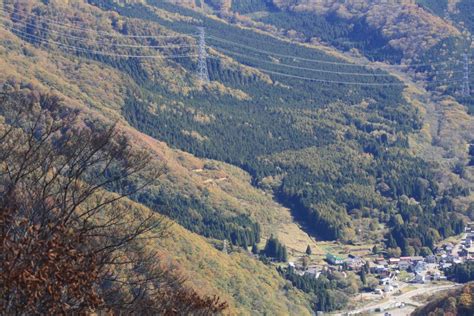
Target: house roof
x=332, y=256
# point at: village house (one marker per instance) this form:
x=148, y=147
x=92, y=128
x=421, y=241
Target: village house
x=457, y=260
x=416, y=259
x=313, y=272
x=445, y=265
x=355, y=263
x=437, y=276
x=440, y=251
x=404, y=265
x=470, y=253
x=381, y=261
x=448, y=247
x=394, y=261
x=419, y=278
x=381, y=270
x=467, y=242
x=419, y=267
x=333, y=259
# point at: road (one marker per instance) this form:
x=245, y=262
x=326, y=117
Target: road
x=457, y=246
x=406, y=298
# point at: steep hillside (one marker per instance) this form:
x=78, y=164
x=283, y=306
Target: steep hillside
x=248, y=117
x=210, y=183
x=460, y=14
x=404, y=26
x=280, y=132
x=381, y=30
x=311, y=117
x=248, y=285
x=223, y=189
x=430, y=37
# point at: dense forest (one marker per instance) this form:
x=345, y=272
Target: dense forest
x=331, y=290
x=330, y=154
x=451, y=49
x=275, y=249
x=285, y=140
x=461, y=273
x=341, y=33
x=441, y=64
x=288, y=145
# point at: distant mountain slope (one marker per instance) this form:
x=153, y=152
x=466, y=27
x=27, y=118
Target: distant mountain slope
x=430, y=36
x=257, y=113
x=379, y=29
x=96, y=89
x=405, y=26
x=310, y=115
x=324, y=136
x=248, y=285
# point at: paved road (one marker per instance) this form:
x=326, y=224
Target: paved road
x=406, y=298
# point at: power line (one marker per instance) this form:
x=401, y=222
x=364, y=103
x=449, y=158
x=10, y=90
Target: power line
x=26, y=35
x=328, y=81
x=220, y=49
x=202, y=75
x=226, y=41
x=306, y=68
x=230, y=53
x=343, y=82
x=85, y=50
x=82, y=39
x=56, y=23
x=318, y=60
x=75, y=48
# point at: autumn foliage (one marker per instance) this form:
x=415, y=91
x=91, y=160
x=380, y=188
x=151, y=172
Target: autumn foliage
x=458, y=302
x=68, y=245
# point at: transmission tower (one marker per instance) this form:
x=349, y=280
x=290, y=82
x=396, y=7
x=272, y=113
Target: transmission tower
x=466, y=90
x=202, y=63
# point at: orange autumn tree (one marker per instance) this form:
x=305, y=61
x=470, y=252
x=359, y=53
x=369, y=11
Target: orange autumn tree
x=67, y=245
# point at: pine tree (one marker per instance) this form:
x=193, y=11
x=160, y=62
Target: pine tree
x=375, y=250
x=284, y=254
x=308, y=250
x=275, y=249
x=255, y=249
x=363, y=277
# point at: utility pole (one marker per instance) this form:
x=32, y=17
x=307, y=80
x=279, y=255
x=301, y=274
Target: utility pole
x=202, y=63
x=466, y=90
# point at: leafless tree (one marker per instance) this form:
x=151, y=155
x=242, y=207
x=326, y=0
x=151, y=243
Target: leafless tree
x=67, y=244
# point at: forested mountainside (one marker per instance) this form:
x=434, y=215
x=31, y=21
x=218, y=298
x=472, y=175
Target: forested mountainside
x=271, y=133
x=382, y=31
x=429, y=36
x=281, y=132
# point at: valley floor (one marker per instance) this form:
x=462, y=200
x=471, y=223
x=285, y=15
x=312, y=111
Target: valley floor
x=403, y=304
